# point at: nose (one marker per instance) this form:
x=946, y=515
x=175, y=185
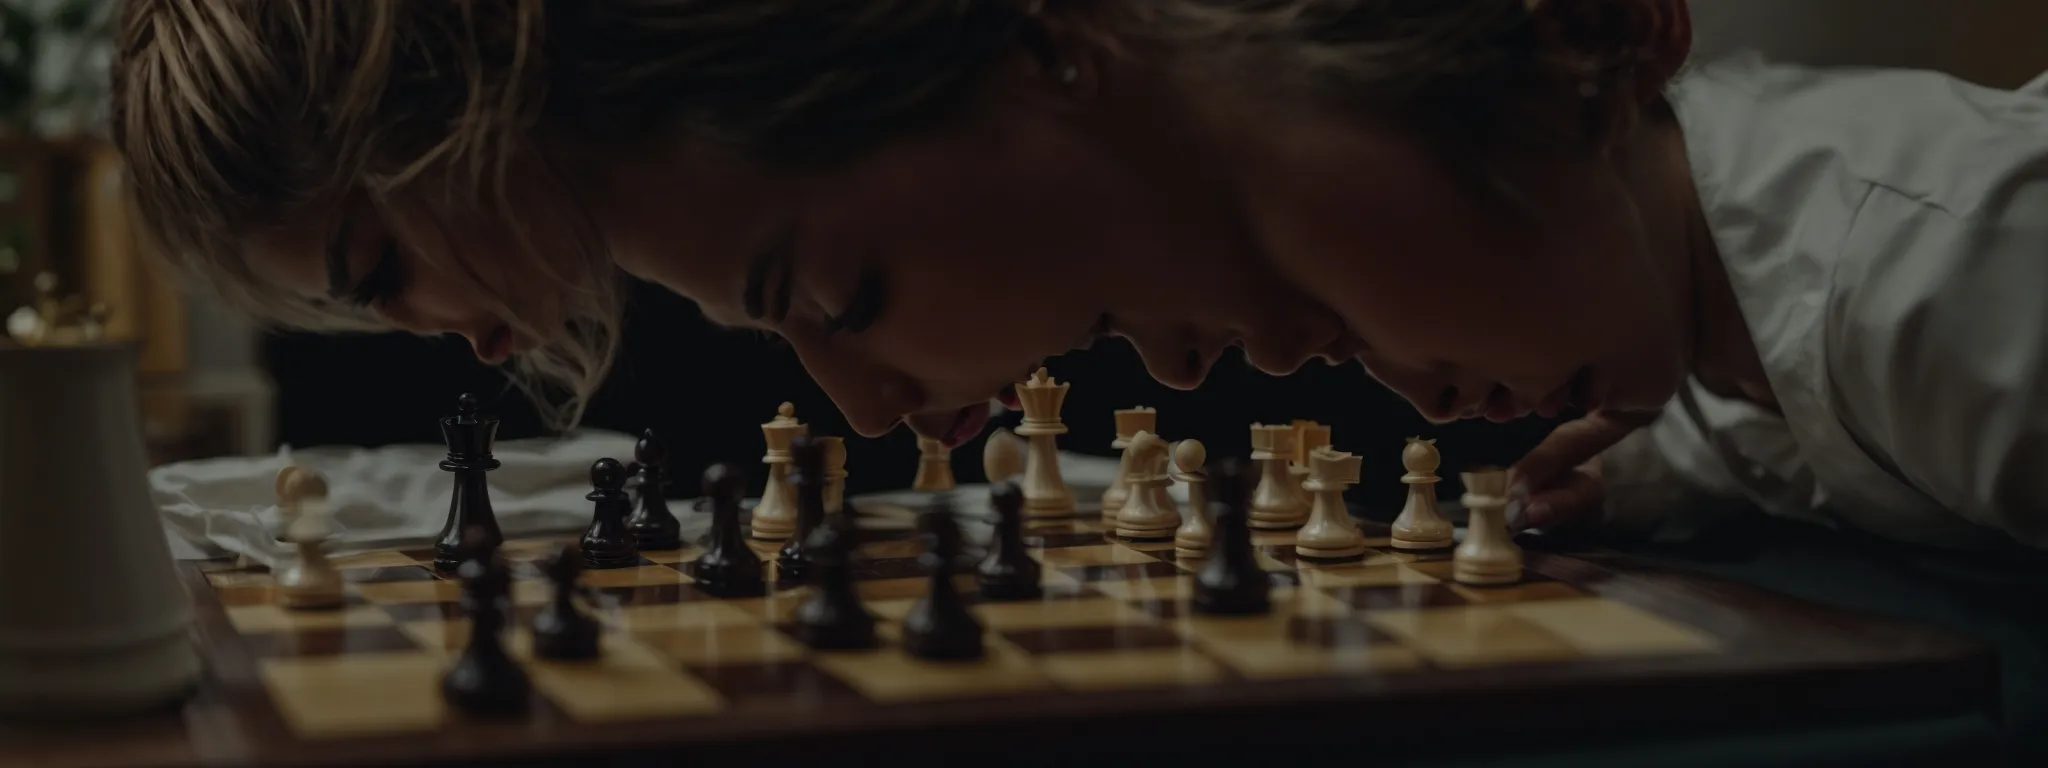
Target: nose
x=873, y=398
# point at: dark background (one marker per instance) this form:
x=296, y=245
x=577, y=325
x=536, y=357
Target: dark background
x=707, y=391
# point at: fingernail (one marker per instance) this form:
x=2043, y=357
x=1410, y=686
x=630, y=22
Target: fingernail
x=1536, y=510
x=1519, y=490
x=1516, y=514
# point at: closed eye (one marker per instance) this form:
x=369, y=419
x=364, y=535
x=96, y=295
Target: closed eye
x=869, y=296
x=385, y=280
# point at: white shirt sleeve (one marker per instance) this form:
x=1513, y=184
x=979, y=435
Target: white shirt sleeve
x=1939, y=348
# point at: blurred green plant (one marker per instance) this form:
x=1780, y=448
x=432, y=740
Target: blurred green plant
x=68, y=37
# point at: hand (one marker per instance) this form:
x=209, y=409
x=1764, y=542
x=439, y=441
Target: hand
x=1560, y=480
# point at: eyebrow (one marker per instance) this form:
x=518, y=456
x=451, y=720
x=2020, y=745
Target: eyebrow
x=776, y=251
x=336, y=257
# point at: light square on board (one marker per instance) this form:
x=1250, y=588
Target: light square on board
x=1267, y=658
x=702, y=613
x=890, y=675
x=394, y=592
x=1366, y=574
x=637, y=576
x=241, y=579
x=338, y=696
x=719, y=645
x=274, y=618
x=1036, y=614
x=1525, y=592
x=1178, y=587
x=1605, y=627
x=380, y=559
x=1472, y=635
x=1122, y=669
x=672, y=556
x=627, y=681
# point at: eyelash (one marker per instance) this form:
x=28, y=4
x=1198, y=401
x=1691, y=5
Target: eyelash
x=384, y=283
x=860, y=312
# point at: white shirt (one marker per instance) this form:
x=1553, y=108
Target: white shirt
x=1886, y=235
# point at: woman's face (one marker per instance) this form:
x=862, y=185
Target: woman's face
x=920, y=280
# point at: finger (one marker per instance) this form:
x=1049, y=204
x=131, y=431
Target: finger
x=1571, y=444
x=1577, y=494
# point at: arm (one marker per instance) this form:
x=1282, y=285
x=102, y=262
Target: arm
x=1939, y=347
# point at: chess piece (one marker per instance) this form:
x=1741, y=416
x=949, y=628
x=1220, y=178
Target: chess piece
x=775, y=515
x=309, y=581
x=484, y=680
x=939, y=625
x=1421, y=527
x=1308, y=436
x=835, y=473
x=74, y=490
x=727, y=568
x=1489, y=555
x=653, y=526
x=608, y=542
x=833, y=617
x=1162, y=468
x=561, y=631
x=1191, y=542
x=1276, y=503
x=1142, y=516
x=1231, y=582
x=1045, y=492
x=934, y=467
x=1331, y=534
x=1002, y=456
x=1009, y=572
x=1129, y=422
x=794, y=562
x=469, y=437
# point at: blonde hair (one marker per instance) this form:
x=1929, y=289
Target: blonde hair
x=235, y=115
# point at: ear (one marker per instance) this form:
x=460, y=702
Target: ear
x=1642, y=43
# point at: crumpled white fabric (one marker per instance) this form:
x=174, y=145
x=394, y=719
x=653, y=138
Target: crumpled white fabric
x=398, y=496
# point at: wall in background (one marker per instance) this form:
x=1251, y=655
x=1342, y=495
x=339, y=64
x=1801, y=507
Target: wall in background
x=2001, y=43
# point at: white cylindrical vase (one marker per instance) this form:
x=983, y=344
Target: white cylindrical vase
x=93, y=616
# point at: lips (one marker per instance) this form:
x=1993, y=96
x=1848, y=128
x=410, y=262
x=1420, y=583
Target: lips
x=967, y=424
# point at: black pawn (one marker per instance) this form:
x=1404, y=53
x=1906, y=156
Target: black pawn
x=560, y=631
x=1009, y=572
x=1231, y=583
x=833, y=618
x=794, y=562
x=727, y=568
x=608, y=543
x=939, y=626
x=653, y=526
x=484, y=679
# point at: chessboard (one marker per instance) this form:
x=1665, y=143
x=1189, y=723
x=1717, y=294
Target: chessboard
x=1385, y=649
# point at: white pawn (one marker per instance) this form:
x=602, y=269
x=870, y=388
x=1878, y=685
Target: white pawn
x=1129, y=422
x=1142, y=517
x=310, y=581
x=934, y=467
x=1276, y=501
x=1421, y=526
x=1330, y=533
x=1489, y=554
x=1002, y=457
x=1191, y=542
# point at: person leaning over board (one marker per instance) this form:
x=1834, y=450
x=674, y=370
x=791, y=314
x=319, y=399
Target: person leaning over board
x=1814, y=291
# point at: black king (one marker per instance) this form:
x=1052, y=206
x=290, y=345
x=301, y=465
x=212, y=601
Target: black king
x=469, y=439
